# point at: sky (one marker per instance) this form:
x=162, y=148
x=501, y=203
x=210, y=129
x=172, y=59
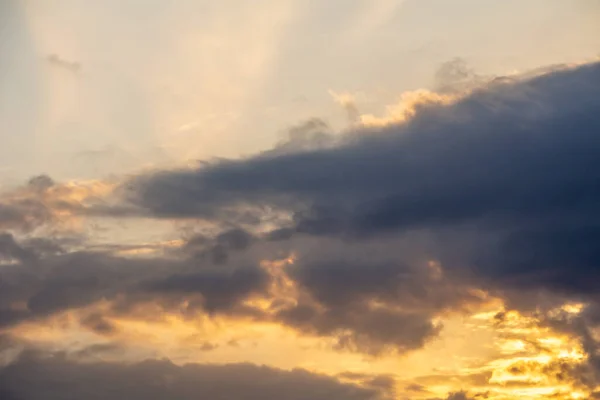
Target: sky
x=299, y=199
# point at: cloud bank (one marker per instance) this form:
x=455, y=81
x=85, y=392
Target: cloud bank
x=378, y=233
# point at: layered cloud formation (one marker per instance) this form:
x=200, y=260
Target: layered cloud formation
x=508, y=172
x=365, y=239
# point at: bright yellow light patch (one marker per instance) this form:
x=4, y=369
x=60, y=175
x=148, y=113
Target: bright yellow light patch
x=505, y=354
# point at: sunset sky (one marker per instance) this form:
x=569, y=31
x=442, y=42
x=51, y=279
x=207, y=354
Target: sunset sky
x=299, y=199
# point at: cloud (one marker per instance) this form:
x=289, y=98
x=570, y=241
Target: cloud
x=458, y=396
x=456, y=76
x=509, y=150
x=55, y=377
x=370, y=300
x=499, y=184
x=45, y=204
x=10, y=250
x=383, y=230
x=59, y=62
x=348, y=103
x=372, y=296
x=41, y=284
x=517, y=161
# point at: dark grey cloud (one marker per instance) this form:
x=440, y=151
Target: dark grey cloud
x=10, y=250
x=218, y=248
x=28, y=250
x=36, y=376
x=365, y=297
x=23, y=215
x=522, y=141
x=513, y=167
x=502, y=185
x=41, y=284
x=373, y=296
x=500, y=188
x=364, y=329
x=558, y=257
x=219, y=291
x=369, y=296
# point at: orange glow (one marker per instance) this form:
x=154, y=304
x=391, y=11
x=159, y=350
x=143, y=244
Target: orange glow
x=515, y=354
